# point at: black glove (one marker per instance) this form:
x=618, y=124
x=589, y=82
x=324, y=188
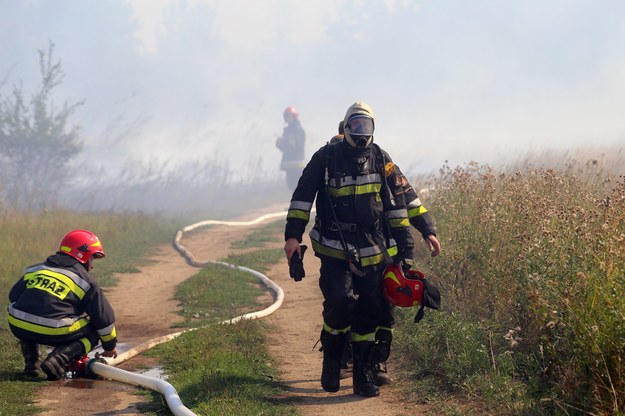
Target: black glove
x=296, y=268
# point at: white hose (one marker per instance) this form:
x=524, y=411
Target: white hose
x=171, y=396
x=161, y=386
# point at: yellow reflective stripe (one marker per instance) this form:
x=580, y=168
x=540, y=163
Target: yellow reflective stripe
x=34, y=279
x=372, y=260
x=296, y=213
x=340, y=254
x=344, y=191
x=392, y=251
x=86, y=343
x=334, y=331
x=328, y=251
x=415, y=212
x=363, y=337
x=46, y=330
x=367, y=188
x=399, y=222
x=384, y=328
x=110, y=336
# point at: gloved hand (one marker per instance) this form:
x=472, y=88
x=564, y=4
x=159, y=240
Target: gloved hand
x=296, y=266
x=405, y=264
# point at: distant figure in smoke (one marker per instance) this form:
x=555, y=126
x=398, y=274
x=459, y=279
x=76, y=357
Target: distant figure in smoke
x=291, y=144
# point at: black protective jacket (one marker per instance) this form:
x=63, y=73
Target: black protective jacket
x=54, y=297
x=417, y=214
x=360, y=205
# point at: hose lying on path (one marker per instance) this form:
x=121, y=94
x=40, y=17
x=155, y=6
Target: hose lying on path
x=167, y=390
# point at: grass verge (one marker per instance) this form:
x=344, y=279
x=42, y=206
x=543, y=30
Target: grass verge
x=222, y=369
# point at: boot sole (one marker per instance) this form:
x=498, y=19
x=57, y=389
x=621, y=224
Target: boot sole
x=382, y=381
x=331, y=389
x=364, y=394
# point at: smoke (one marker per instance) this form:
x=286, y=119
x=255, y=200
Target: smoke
x=175, y=83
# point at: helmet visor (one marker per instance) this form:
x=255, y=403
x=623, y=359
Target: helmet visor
x=360, y=125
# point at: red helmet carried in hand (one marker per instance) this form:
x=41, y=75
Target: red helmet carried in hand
x=81, y=245
x=402, y=290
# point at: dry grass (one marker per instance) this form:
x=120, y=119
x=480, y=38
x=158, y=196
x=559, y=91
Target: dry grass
x=536, y=258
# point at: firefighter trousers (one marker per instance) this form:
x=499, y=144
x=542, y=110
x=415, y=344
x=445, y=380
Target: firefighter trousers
x=87, y=335
x=350, y=301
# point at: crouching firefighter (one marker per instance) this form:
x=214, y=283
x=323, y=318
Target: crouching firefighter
x=57, y=303
x=360, y=210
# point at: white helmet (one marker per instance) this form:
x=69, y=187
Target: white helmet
x=359, y=125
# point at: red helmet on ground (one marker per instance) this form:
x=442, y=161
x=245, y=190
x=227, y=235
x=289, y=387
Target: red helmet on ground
x=402, y=290
x=81, y=245
x=290, y=112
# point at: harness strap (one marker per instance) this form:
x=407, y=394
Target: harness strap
x=343, y=226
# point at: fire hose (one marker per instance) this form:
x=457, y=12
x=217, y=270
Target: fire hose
x=105, y=367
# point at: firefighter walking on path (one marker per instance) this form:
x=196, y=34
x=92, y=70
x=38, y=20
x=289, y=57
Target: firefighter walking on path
x=420, y=219
x=361, y=225
x=291, y=144
x=57, y=303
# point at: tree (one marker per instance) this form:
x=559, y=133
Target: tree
x=36, y=144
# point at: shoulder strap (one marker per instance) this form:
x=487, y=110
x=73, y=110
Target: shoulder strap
x=380, y=160
x=353, y=259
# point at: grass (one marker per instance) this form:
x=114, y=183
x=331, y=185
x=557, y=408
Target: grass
x=261, y=236
x=223, y=369
x=28, y=239
x=232, y=371
x=532, y=275
x=218, y=292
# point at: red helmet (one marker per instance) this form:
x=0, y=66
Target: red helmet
x=81, y=245
x=402, y=290
x=290, y=112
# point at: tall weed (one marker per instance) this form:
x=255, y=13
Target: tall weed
x=535, y=259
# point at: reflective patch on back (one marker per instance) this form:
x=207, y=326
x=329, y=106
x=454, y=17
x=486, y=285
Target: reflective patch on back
x=48, y=284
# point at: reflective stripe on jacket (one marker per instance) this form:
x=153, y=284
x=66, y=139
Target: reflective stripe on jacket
x=364, y=195
x=59, y=297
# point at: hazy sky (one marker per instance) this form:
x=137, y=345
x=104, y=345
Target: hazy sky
x=448, y=79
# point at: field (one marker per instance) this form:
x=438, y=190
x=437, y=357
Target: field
x=532, y=275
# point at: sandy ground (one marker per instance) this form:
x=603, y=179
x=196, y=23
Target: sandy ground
x=139, y=297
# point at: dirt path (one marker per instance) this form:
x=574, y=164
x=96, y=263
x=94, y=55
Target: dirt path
x=295, y=329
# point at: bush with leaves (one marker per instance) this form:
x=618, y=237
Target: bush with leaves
x=36, y=143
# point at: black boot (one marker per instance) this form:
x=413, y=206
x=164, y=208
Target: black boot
x=382, y=351
x=56, y=363
x=346, y=359
x=332, y=347
x=30, y=351
x=363, y=369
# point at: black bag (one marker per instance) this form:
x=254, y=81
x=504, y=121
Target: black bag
x=431, y=299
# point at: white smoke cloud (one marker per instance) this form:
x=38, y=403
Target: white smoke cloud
x=179, y=80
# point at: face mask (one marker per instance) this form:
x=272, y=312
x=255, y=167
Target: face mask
x=360, y=129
